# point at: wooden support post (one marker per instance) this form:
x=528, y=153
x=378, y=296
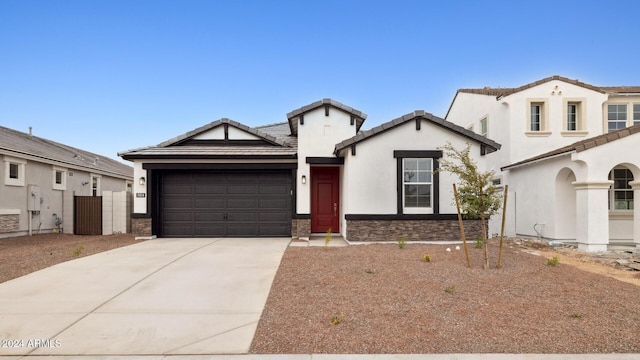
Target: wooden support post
x=504, y=214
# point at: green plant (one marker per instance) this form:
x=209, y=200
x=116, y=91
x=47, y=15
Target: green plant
x=554, y=261
x=369, y=271
x=426, y=258
x=327, y=239
x=77, y=251
x=477, y=195
x=479, y=243
x=337, y=319
x=451, y=289
x=402, y=242
x=576, y=316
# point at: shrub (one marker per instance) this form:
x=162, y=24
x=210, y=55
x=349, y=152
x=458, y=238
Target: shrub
x=77, y=251
x=451, y=289
x=337, y=319
x=402, y=242
x=426, y=258
x=554, y=261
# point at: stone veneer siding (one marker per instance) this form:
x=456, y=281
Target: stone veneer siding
x=300, y=228
x=413, y=230
x=141, y=226
x=9, y=223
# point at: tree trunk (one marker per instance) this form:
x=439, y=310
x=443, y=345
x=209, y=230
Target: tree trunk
x=504, y=214
x=464, y=237
x=485, y=241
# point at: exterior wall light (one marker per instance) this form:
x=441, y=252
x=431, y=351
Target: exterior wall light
x=142, y=180
x=304, y=179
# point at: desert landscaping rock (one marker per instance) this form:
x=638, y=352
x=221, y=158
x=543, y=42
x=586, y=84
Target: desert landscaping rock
x=390, y=300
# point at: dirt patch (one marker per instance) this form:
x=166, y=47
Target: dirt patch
x=25, y=254
x=389, y=300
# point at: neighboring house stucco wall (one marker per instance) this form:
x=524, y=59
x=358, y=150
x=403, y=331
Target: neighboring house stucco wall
x=39, y=160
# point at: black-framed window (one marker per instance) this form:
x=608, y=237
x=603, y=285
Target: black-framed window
x=417, y=181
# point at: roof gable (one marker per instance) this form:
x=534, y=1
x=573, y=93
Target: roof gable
x=356, y=115
x=486, y=143
x=222, y=130
x=578, y=146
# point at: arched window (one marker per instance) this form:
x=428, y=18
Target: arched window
x=620, y=194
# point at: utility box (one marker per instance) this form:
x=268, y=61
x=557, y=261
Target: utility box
x=33, y=198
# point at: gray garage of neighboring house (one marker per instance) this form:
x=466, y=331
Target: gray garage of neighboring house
x=223, y=179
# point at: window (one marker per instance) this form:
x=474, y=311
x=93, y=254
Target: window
x=417, y=183
x=95, y=185
x=483, y=127
x=621, y=193
x=59, y=179
x=616, y=117
x=636, y=114
x=14, y=171
x=572, y=117
x=535, y=119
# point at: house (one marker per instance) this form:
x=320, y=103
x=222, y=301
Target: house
x=569, y=157
x=40, y=178
x=314, y=173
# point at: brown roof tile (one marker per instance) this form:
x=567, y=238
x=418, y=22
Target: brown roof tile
x=579, y=146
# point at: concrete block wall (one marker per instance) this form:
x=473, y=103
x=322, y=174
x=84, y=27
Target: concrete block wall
x=116, y=208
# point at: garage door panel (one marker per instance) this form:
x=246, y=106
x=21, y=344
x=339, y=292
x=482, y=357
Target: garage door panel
x=172, y=216
x=274, y=203
x=242, y=216
x=178, y=230
x=212, y=229
x=275, y=190
x=201, y=216
x=279, y=217
x=209, y=203
x=177, y=203
x=202, y=204
x=209, y=189
x=242, y=229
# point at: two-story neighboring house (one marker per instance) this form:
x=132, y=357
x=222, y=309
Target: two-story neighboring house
x=569, y=155
x=39, y=179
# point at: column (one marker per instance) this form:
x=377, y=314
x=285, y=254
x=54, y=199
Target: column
x=592, y=215
x=635, y=185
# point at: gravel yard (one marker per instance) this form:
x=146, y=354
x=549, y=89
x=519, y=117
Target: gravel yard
x=389, y=300
x=25, y=254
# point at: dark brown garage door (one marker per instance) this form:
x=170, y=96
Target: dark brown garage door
x=205, y=204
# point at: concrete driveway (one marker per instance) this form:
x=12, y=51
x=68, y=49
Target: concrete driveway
x=162, y=296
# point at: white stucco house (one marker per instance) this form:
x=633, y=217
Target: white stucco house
x=40, y=180
x=569, y=155
x=316, y=172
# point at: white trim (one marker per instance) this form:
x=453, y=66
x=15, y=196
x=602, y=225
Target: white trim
x=63, y=185
x=10, y=211
x=20, y=181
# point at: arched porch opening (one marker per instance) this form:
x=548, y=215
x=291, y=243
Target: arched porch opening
x=565, y=205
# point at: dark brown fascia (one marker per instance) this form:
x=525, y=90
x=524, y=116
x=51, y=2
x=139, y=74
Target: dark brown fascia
x=359, y=116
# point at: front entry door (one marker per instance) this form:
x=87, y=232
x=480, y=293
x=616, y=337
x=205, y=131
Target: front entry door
x=325, y=195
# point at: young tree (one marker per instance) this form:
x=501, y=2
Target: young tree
x=478, y=197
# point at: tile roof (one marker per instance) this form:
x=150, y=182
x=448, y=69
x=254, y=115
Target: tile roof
x=359, y=116
x=48, y=151
x=217, y=123
x=500, y=92
x=283, y=146
x=579, y=146
x=418, y=114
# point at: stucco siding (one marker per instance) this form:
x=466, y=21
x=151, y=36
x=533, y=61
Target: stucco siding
x=371, y=175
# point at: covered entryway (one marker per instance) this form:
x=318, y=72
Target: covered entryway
x=225, y=203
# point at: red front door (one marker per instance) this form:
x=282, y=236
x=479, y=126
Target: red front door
x=325, y=195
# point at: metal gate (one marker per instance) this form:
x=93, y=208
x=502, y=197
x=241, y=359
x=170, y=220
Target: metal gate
x=88, y=215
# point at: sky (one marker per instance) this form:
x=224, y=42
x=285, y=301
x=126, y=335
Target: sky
x=109, y=76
